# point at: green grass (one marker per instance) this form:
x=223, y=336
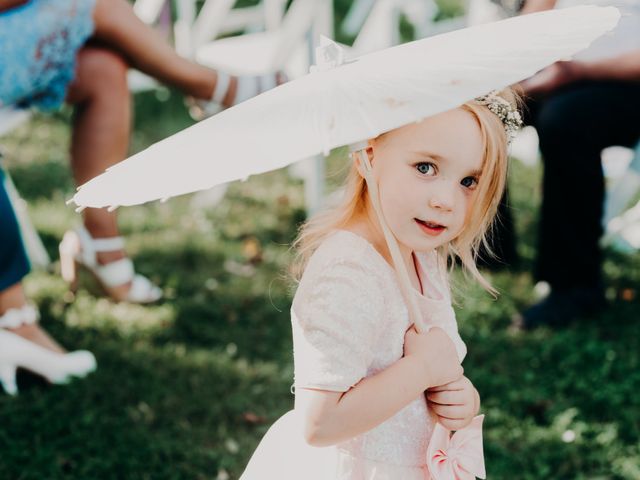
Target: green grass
x=185, y=389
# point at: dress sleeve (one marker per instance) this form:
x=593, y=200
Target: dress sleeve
x=336, y=321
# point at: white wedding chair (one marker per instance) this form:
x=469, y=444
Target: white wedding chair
x=376, y=23
x=10, y=119
x=285, y=45
x=38, y=256
x=272, y=50
x=222, y=17
x=191, y=27
x=622, y=224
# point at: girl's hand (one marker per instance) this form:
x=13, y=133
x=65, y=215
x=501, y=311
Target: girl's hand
x=455, y=403
x=435, y=350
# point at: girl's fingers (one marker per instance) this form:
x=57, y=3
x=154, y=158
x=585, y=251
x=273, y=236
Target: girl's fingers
x=455, y=385
x=453, y=424
x=412, y=329
x=447, y=397
x=451, y=412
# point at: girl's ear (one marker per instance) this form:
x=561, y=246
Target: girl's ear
x=370, y=144
x=369, y=152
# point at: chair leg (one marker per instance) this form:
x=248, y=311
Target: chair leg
x=622, y=225
x=38, y=255
x=623, y=190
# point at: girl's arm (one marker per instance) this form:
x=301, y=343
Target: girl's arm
x=7, y=4
x=332, y=417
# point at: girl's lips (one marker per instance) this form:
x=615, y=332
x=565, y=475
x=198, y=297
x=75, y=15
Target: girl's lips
x=429, y=228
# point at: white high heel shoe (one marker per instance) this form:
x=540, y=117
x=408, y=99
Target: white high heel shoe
x=17, y=352
x=79, y=248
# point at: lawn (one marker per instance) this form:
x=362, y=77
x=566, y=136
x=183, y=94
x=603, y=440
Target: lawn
x=186, y=388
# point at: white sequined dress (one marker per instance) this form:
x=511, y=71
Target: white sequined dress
x=349, y=321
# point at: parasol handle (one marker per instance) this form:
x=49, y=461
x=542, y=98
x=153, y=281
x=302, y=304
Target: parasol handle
x=392, y=243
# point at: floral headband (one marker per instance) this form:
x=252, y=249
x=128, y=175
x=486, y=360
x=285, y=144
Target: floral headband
x=505, y=111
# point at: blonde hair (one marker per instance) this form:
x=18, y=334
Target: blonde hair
x=479, y=220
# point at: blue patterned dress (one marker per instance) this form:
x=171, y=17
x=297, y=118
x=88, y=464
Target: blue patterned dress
x=14, y=263
x=39, y=42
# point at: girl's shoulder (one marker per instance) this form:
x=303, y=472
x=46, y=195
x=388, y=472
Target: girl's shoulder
x=344, y=290
x=345, y=265
x=350, y=252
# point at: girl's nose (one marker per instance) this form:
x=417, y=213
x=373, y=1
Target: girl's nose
x=442, y=198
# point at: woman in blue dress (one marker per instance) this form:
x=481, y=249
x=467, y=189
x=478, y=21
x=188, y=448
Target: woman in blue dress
x=78, y=52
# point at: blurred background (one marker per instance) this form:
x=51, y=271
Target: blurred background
x=187, y=387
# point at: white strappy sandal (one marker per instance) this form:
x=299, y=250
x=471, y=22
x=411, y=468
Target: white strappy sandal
x=79, y=248
x=247, y=87
x=17, y=352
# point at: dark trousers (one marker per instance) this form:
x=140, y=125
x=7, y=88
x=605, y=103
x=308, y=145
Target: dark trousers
x=574, y=125
x=14, y=264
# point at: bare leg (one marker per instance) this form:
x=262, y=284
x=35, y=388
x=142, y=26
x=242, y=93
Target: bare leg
x=117, y=25
x=100, y=133
x=14, y=297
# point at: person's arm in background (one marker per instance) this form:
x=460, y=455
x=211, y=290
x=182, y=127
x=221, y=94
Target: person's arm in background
x=624, y=67
x=532, y=6
x=8, y=4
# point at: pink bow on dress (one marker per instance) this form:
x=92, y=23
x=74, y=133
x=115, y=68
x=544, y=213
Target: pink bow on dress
x=458, y=456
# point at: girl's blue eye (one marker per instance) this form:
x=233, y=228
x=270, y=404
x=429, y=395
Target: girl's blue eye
x=469, y=182
x=425, y=168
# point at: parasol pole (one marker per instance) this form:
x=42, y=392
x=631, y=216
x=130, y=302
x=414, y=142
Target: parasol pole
x=400, y=267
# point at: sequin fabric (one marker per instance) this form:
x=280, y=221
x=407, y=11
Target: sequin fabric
x=38, y=45
x=349, y=322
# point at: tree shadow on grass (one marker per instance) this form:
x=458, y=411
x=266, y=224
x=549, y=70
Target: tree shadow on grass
x=226, y=303
x=148, y=412
x=565, y=394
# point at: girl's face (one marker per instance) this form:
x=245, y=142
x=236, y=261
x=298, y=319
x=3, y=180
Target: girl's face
x=427, y=175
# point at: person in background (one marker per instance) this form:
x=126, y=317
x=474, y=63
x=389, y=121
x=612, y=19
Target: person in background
x=79, y=51
x=23, y=343
x=579, y=108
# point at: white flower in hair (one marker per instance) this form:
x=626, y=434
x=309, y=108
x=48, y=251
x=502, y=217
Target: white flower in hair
x=504, y=110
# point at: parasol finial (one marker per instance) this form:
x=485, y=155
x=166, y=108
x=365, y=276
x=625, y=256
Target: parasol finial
x=328, y=55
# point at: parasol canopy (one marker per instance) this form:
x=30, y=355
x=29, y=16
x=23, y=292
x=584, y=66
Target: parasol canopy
x=340, y=103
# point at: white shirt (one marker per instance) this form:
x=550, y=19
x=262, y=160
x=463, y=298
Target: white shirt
x=624, y=38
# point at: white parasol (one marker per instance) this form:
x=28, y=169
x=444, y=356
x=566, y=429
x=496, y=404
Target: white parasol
x=346, y=103
x=339, y=104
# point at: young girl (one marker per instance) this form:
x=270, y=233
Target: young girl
x=361, y=368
